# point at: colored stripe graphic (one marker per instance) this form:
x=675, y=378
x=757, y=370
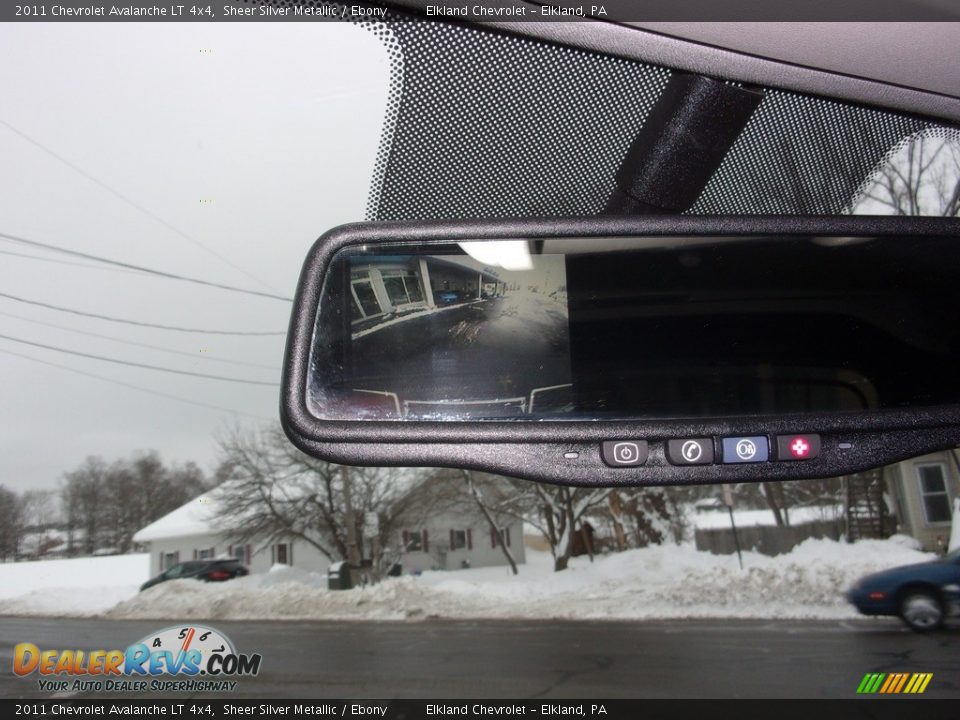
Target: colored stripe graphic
x=891, y=681
x=903, y=681
x=923, y=679
x=894, y=683
x=868, y=682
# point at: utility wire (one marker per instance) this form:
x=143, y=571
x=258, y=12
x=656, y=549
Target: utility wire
x=242, y=381
x=139, y=268
x=136, y=322
x=134, y=387
x=64, y=262
x=159, y=348
x=77, y=169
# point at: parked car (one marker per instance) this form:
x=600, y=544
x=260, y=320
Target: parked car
x=921, y=595
x=207, y=570
x=446, y=297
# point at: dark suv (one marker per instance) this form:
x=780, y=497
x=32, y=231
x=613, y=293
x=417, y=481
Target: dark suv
x=208, y=570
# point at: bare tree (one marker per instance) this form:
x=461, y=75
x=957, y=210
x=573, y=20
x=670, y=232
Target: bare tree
x=679, y=512
x=83, y=494
x=38, y=508
x=773, y=494
x=435, y=491
x=562, y=510
x=489, y=513
x=922, y=177
x=10, y=524
x=639, y=516
x=556, y=511
x=271, y=492
x=106, y=503
x=38, y=513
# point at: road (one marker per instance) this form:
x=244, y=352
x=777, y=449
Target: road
x=538, y=659
x=482, y=351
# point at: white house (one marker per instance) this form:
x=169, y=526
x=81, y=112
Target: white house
x=454, y=540
x=446, y=541
x=189, y=533
x=922, y=491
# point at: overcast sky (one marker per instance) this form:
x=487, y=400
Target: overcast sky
x=249, y=139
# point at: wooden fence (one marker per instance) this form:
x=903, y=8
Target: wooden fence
x=766, y=539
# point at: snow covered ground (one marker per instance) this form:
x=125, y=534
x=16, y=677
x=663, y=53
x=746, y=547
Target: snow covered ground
x=86, y=586
x=658, y=582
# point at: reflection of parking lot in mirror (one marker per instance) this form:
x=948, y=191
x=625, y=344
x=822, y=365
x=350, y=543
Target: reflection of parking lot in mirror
x=478, y=351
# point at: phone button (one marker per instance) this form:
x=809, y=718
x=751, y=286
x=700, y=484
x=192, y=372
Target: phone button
x=691, y=451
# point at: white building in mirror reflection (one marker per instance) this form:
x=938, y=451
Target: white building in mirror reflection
x=383, y=287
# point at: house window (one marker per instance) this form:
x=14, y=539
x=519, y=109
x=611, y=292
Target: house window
x=282, y=554
x=365, y=303
x=205, y=554
x=933, y=493
x=168, y=560
x=415, y=541
x=402, y=286
x=241, y=553
x=495, y=538
x=458, y=539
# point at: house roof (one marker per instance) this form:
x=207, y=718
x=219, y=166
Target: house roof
x=198, y=517
x=193, y=518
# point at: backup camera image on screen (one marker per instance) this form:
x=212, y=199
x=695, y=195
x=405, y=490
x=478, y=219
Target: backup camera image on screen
x=451, y=337
x=638, y=327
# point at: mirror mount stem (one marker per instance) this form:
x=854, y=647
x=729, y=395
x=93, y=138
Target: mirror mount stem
x=689, y=131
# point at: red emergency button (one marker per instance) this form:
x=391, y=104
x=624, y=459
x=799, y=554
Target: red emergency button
x=798, y=447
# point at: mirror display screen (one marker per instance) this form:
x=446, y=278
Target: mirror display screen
x=451, y=337
x=624, y=328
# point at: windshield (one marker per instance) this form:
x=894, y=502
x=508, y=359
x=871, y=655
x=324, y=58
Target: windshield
x=160, y=186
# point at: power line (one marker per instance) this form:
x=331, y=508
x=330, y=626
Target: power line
x=63, y=262
x=77, y=169
x=126, y=321
x=139, y=344
x=242, y=381
x=134, y=387
x=139, y=268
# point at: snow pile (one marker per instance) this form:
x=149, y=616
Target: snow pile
x=658, y=582
x=669, y=581
x=85, y=586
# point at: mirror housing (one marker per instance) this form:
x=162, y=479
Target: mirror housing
x=725, y=438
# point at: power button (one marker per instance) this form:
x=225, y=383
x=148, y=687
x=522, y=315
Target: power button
x=625, y=453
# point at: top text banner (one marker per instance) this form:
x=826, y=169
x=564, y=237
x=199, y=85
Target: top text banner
x=484, y=11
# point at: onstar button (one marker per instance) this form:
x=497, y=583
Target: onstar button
x=695, y=451
x=745, y=449
x=801, y=446
x=625, y=453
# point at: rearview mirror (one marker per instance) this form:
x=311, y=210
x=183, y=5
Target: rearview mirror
x=629, y=350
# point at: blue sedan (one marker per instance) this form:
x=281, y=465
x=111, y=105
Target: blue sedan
x=922, y=595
